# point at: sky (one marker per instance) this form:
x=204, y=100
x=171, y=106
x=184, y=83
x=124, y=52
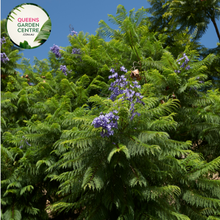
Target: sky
x=83, y=15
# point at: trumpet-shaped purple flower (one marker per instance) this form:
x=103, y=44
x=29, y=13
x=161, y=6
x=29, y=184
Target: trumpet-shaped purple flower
x=76, y=51
x=188, y=67
x=122, y=68
x=3, y=40
x=120, y=86
x=117, y=87
x=184, y=63
x=115, y=75
x=73, y=33
x=63, y=69
x=4, y=58
x=116, y=92
x=56, y=50
x=112, y=70
x=133, y=114
x=107, y=122
x=27, y=143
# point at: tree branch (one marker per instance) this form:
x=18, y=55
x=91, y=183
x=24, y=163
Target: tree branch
x=216, y=27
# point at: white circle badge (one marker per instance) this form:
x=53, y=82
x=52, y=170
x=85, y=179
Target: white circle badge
x=28, y=25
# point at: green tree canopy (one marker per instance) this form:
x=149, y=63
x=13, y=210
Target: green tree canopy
x=125, y=129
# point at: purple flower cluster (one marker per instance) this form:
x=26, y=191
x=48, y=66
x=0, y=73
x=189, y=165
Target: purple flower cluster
x=122, y=68
x=3, y=40
x=72, y=33
x=56, y=50
x=183, y=65
x=119, y=86
x=107, y=122
x=64, y=69
x=4, y=58
x=76, y=51
x=122, y=86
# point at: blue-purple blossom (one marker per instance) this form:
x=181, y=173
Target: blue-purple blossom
x=122, y=68
x=63, y=69
x=27, y=143
x=112, y=70
x=115, y=75
x=133, y=114
x=107, y=122
x=122, y=86
x=76, y=51
x=3, y=40
x=4, y=58
x=184, y=63
x=116, y=92
x=117, y=87
x=56, y=50
x=73, y=33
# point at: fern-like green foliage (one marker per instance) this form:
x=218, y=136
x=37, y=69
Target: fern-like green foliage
x=8, y=73
x=162, y=164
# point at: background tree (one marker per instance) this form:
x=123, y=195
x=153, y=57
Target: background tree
x=180, y=15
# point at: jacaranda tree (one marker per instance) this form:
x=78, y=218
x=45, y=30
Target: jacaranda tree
x=106, y=130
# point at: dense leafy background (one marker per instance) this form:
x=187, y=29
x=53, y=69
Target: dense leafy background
x=163, y=164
